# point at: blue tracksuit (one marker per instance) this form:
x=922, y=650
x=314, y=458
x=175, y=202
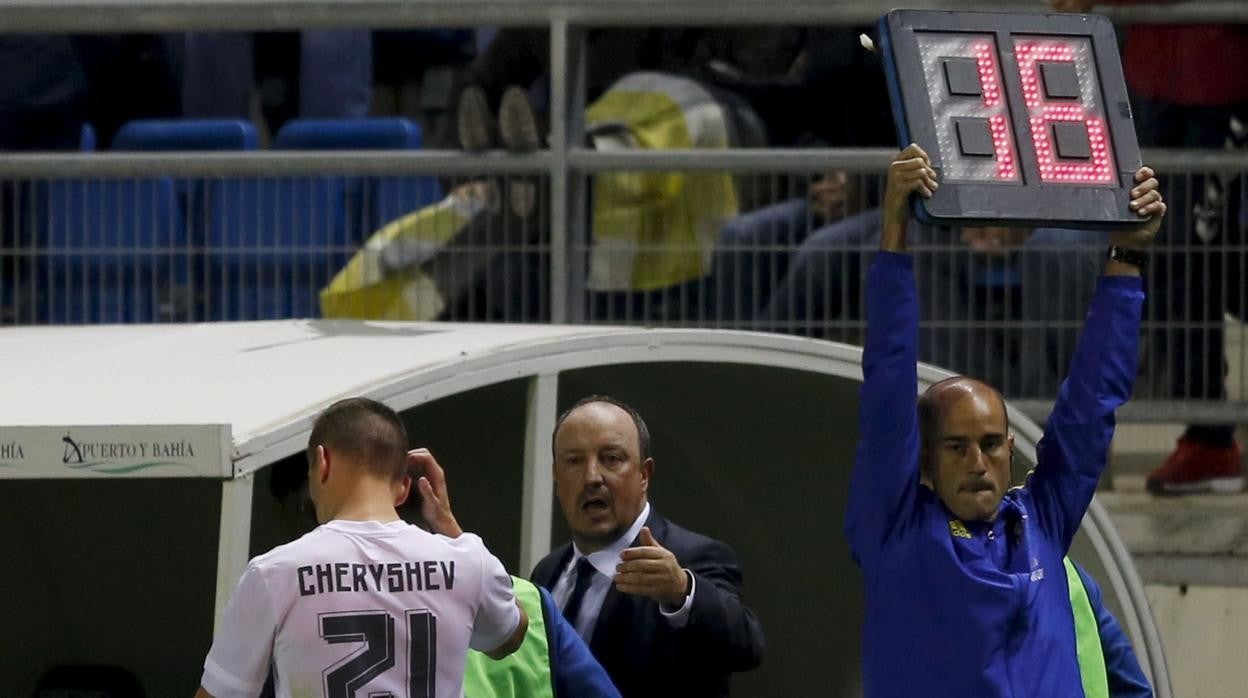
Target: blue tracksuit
x=1122, y=670
x=972, y=609
x=573, y=669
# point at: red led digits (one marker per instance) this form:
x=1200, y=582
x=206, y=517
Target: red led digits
x=970, y=107
x=1025, y=116
x=1042, y=113
x=990, y=83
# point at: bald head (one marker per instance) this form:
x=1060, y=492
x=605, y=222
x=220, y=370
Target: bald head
x=966, y=447
x=937, y=400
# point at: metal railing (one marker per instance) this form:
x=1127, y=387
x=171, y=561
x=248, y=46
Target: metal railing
x=1009, y=311
x=561, y=261
x=266, y=15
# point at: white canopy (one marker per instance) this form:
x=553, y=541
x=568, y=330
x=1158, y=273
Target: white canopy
x=222, y=400
x=261, y=383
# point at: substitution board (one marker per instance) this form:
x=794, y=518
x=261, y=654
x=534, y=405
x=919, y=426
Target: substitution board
x=1025, y=116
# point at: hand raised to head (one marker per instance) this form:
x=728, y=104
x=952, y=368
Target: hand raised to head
x=435, y=503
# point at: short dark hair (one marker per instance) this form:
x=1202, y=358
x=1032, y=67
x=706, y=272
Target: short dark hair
x=643, y=432
x=366, y=432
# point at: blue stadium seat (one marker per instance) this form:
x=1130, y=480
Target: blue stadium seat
x=113, y=249
x=276, y=243
x=349, y=134
x=30, y=224
x=185, y=134
x=122, y=250
x=157, y=135
x=86, y=141
x=382, y=199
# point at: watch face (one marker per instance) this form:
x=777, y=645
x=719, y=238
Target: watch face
x=1025, y=116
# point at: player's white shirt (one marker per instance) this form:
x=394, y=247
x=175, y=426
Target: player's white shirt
x=362, y=608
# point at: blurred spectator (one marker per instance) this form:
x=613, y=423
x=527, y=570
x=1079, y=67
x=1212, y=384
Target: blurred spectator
x=54, y=84
x=480, y=255
x=43, y=105
x=314, y=74
x=413, y=71
x=755, y=250
x=971, y=278
x=1180, y=98
x=813, y=87
x=43, y=93
x=129, y=76
x=521, y=56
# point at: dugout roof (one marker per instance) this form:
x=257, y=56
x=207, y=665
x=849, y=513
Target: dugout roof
x=220, y=401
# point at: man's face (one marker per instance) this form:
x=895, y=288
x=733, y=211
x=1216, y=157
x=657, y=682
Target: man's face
x=600, y=479
x=969, y=462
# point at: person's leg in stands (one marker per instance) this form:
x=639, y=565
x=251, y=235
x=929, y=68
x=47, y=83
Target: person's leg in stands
x=943, y=266
x=822, y=277
x=1188, y=288
x=1059, y=268
x=752, y=256
x=218, y=73
x=336, y=73
x=515, y=56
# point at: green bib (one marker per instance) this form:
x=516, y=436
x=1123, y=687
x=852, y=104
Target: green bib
x=1087, y=637
x=524, y=673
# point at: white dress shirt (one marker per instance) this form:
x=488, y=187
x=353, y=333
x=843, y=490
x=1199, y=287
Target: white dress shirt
x=604, y=562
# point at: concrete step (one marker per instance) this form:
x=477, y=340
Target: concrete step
x=1138, y=448
x=1198, y=540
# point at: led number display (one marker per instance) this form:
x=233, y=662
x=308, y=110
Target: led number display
x=1064, y=114
x=1025, y=116
x=969, y=109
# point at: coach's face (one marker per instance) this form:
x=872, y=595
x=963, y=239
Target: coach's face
x=600, y=478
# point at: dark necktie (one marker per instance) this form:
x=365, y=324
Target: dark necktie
x=584, y=575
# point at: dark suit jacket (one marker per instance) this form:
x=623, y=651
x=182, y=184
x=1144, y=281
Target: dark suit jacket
x=643, y=654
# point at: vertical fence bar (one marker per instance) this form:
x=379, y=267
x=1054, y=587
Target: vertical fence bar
x=559, y=174
x=567, y=188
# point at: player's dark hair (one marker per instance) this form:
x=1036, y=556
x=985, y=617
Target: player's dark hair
x=643, y=432
x=364, y=431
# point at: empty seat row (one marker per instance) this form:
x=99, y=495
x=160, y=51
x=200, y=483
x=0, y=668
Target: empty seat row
x=133, y=250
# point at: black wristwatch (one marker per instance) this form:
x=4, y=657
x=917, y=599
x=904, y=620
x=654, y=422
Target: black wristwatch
x=1127, y=255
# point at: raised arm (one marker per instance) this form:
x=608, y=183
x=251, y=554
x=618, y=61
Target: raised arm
x=1075, y=447
x=886, y=468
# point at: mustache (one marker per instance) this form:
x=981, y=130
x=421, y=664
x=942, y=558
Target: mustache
x=599, y=494
x=975, y=484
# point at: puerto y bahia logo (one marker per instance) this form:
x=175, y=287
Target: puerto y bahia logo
x=123, y=457
x=11, y=451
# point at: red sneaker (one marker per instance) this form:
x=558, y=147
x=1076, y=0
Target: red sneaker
x=1195, y=468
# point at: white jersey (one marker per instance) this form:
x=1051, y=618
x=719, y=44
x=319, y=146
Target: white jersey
x=362, y=608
